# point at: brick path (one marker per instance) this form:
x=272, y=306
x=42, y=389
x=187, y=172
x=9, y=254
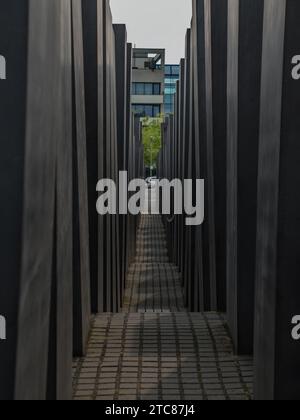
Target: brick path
x=155, y=349
x=153, y=283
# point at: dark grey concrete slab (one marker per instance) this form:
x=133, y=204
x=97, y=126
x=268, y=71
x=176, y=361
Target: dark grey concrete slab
x=32, y=126
x=131, y=220
x=122, y=91
x=185, y=156
x=122, y=111
x=244, y=74
x=115, y=138
x=219, y=19
x=128, y=104
x=107, y=274
x=130, y=229
x=14, y=47
x=92, y=51
x=81, y=256
x=101, y=155
x=111, y=158
x=176, y=171
x=61, y=316
x=194, y=252
x=277, y=355
x=180, y=116
x=204, y=152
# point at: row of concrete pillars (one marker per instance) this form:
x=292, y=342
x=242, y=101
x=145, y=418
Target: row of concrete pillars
x=236, y=126
x=65, y=123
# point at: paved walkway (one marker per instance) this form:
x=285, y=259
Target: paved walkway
x=153, y=283
x=155, y=349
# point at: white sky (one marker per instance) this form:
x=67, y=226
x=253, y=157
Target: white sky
x=155, y=24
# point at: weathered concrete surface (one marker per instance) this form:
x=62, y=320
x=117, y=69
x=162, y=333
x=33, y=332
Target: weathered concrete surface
x=81, y=256
x=245, y=26
x=35, y=39
x=13, y=26
x=219, y=30
x=61, y=314
x=277, y=356
x=92, y=68
x=203, y=156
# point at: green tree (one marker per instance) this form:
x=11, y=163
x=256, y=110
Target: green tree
x=151, y=140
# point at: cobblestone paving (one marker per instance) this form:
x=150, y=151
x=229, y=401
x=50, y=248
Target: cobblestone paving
x=153, y=284
x=155, y=349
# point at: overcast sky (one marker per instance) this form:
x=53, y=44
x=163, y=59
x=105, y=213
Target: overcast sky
x=155, y=24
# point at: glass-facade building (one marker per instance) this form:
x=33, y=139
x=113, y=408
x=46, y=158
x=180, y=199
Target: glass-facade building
x=148, y=76
x=172, y=74
x=146, y=89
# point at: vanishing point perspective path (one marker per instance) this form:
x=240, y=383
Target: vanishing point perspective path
x=155, y=349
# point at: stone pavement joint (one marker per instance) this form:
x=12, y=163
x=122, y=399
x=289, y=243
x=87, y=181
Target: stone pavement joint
x=155, y=349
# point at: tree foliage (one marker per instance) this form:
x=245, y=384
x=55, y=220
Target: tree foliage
x=151, y=140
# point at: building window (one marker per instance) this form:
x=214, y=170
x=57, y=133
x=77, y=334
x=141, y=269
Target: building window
x=151, y=111
x=168, y=69
x=170, y=89
x=156, y=89
x=172, y=70
x=176, y=71
x=172, y=74
x=169, y=99
x=146, y=89
x=171, y=80
x=138, y=88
